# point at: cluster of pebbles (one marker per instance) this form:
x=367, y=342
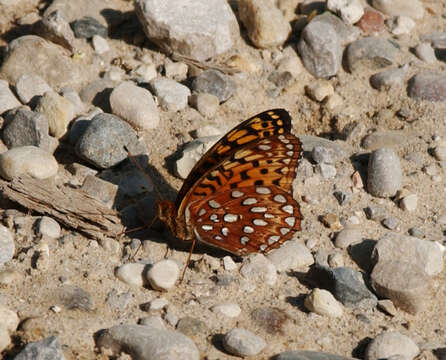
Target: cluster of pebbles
x=85, y=81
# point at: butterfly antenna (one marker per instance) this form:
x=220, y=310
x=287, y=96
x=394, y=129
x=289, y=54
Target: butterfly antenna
x=188, y=259
x=132, y=158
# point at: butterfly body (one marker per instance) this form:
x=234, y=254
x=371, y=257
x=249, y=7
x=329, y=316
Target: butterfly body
x=237, y=197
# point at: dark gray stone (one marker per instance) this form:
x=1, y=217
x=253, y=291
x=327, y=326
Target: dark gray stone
x=46, y=349
x=104, y=141
x=87, y=27
x=55, y=28
x=371, y=53
x=388, y=78
x=309, y=355
x=345, y=32
x=190, y=326
x=428, y=85
x=214, y=82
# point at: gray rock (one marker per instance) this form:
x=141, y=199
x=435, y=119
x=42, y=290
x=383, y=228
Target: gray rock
x=413, y=9
x=425, y=52
x=321, y=154
x=163, y=275
x=215, y=83
x=327, y=171
x=320, y=49
x=351, y=234
x=98, y=93
x=7, y=246
x=427, y=85
x=338, y=153
x=100, y=44
x=345, y=32
x=172, y=95
x=87, y=27
x=132, y=273
x=309, y=355
x=190, y=326
x=391, y=223
x=30, y=86
x=389, y=344
x=53, y=64
x=264, y=22
x=406, y=284
x=48, y=227
x=384, y=139
x=24, y=127
x=196, y=29
x=258, y=268
x=147, y=343
x=7, y=99
x=370, y=53
x=384, y=173
x=55, y=28
x=48, y=348
x=291, y=255
x=241, y=342
x=27, y=160
x=135, y=105
x=206, y=104
x=103, y=142
x=388, y=78
x=118, y=301
x=423, y=253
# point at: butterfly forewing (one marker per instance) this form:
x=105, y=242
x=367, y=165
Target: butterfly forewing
x=269, y=123
x=246, y=219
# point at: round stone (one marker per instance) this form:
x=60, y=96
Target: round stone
x=163, y=275
x=48, y=227
x=389, y=344
x=241, y=342
x=230, y=309
x=322, y=302
x=384, y=173
x=131, y=273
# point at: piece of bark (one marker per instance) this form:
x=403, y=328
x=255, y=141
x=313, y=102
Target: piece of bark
x=72, y=207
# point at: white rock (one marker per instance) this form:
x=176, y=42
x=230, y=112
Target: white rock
x=425, y=52
x=176, y=70
x=440, y=152
x=412, y=8
x=335, y=260
x=291, y=255
x=163, y=275
x=7, y=246
x=349, y=235
x=30, y=85
x=154, y=321
x=206, y=104
x=131, y=274
x=231, y=310
x=323, y=302
x=172, y=95
x=291, y=64
x=7, y=99
x=389, y=344
x=100, y=44
x=349, y=10
x=319, y=90
x=409, y=202
x=27, y=160
x=135, y=105
x=10, y=320
x=147, y=72
x=158, y=304
x=5, y=339
x=229, y=264
x=72, y=96
x=48, y=227
x=402, y=25
x=258, y=268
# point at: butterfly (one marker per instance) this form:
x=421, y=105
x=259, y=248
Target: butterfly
x=237, y=196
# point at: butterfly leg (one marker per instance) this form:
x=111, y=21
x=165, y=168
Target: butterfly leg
x=188, y=259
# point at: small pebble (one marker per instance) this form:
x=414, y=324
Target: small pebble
x=391, y=343
x=87, y=27
x=387, y=306
x=335, y=260
x=100, y=44
x=290, y=256
x=131, y=274
x=158, y=304
x=348, y=236
x=176, y=71
x=215, y=83
x=319, y=90
x=154, y=321
x=146, y=71
x=172, y=96
x=388, y=78
x=48, y=348
x=401, y=25
x=440, y=153
x=350, y=11
x=229, y=264
x=163, y=275
x=323, y=303
x=48, y=227
x=241, y=342
x=384, y=173
x=413, y=8
x=327, y=171
x=259, y=269
x=331, y=221
x=206, y=104
x=409, y=202
x=371, y=22
x=427, y=85
x=231, y=310
x=391, y=223
x=425, y=52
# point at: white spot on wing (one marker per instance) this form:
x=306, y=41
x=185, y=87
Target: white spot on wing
x=290, y=220
x=230, y=218
x=225, y=231
x=207, y=227
x=248, y=229
x=279, y=198
x=236, y=194
x=288, y=208
x=213, y=204
x=214, y=218
x=258, y=209
x=244, y=240
x=249, y=201
x=262, y=190
x=264, y=147
x=259, y=222
x=273, y=238
x=201, y=212
x=284, y=231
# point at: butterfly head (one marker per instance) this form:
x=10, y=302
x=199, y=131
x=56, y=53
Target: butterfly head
x=167, y=213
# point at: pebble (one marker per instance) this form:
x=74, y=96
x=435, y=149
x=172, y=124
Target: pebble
x=259, y=269
x=118, y=301
x=241, y=342
x=427, y=85
x=322, y=155
x=389, y=344
x=331, y=221
x=5, y=339
x=206, y=104
x=158, y=304
x=382, y=139
x=100, y=44
x=309, y=355
x=102, y=144
x=53, y=65
x=349, y=235
x=387, y=306
x=163, y=275
x=55, y=28
x=72, y=96
x=370, y=53
x=290, y=256
x=191, y=326
x=102, y=190
x=384, y=173
x=391, y=223
x=27, y=160
x=319, y=90
x=172, y=96
x=87, y=27
x=409, y=202
x=423, y=253
x=401, y=25
x=440, y=152
x=309, y=142
x=371, y=22
x=147, y=72
x=335, y=260
x=231, y=310
x=154, y=321
x=132, y=274
x=343, y=197
x=196, y=29
x=135, y=105
x=215, y=83
x=30, y=86
x=320, y=49
x=345, y=32
x=425, y=52
x=323, y=303
x=176, y=71
x=48, y=227
x=291, y=64
x=48, y=348
x=10, y=320
x=139, y=341
x=57, y=110
x=386, y=79
x=413, y=8
x=406, y=284
x=265, y=24
x=229, y=264
x=8, y=100
x=327, y=171
x=350, y=11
